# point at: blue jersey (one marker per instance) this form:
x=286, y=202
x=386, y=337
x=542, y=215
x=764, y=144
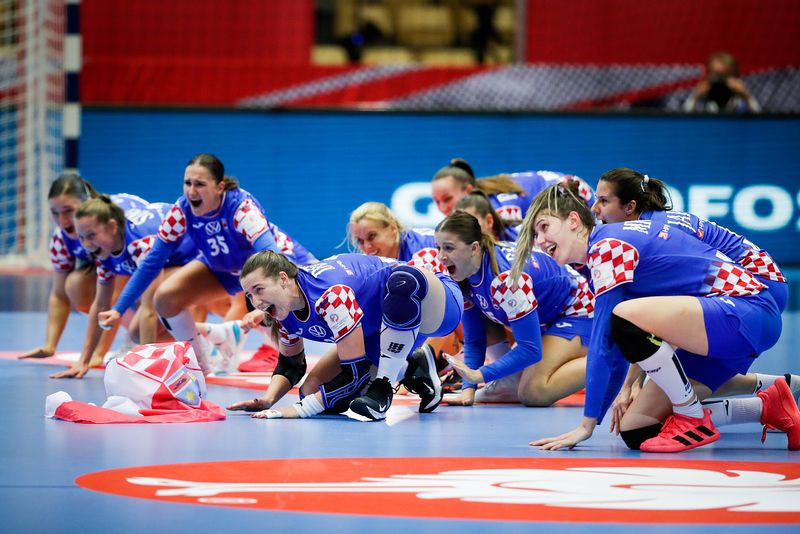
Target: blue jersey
x=64, y=250
x=733, y=245
x=223, y=240
x=140, y=234
x=640, y=259
x=354, y=285
x=546, y=293
x=512, y=207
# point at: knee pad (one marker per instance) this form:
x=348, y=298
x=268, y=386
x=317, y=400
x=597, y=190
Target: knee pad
x=293, y=368
x=405, y=289
x=634, y=343
x=347, y=385
x=634, y=438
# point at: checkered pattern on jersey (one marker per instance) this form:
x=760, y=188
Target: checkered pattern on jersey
x=104, y=274
x=284, y=242
x=428, y=258
x=249, y=220
x=612, y=262
x=138, y=249
x=287, y=339
x=762, y=264
x=340, y=310
x=61, y=258
x=731, y=280
x=581, y=300
x=173, y=226
x=510, y=214
x=516, y=303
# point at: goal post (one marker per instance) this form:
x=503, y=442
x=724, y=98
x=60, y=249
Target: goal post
x=32, y=120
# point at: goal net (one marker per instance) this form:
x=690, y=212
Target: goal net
x=31, y=140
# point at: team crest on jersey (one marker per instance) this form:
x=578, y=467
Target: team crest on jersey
x=570, y=490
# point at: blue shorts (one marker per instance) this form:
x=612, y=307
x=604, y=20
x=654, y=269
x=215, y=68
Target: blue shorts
x=569, y=327
x=454, y=306
x=738, y=330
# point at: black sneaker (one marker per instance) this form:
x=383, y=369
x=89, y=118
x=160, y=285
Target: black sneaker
x=376, y=401
x=423, y=379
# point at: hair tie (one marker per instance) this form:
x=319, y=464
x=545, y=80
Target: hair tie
x=645, y=181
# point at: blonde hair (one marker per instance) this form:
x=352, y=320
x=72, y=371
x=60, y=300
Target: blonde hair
x=558, y=200
x=373, y=211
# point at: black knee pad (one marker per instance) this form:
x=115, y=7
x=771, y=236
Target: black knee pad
x=293, y=368
x=346, y=386
x=634, y=438
x=405, y=289
x=634, y=343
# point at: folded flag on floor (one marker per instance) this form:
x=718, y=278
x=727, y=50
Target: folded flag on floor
x=154, y=383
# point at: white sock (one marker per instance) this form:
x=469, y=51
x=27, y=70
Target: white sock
x=666, y=371
x=392, y=368
x=764, y=381
x=396, y=345
x=735, y=411
x=182, y=328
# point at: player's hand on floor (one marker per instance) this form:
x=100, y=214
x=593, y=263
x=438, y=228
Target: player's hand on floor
x=38, y=352
x=251, y=405
x=465, y=398
x=280, y=413
x=76, y=371
x=567, y=440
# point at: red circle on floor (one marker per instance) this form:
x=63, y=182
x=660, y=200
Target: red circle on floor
x=592, y=490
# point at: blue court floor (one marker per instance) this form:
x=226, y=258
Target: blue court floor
x=458, y=469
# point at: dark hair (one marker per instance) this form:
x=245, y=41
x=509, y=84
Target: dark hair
x=462, y=172
x=467, y=229
x=478, y=201
x=270, y=264
x=558, y=200
x=103, y=210
x=72, y=185
x=213, y=164
x=650, y=194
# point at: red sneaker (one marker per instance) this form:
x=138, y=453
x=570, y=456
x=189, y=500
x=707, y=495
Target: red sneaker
x=780, y=412
x=681, y=433
x=263, y=361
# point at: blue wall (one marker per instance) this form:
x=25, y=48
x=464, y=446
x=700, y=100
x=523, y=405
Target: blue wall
x=311, y=169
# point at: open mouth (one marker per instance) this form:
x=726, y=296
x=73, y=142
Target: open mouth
x=69, y=230
x=195, y=202
x=270, y=310
x=451, y=269
x=551, y=250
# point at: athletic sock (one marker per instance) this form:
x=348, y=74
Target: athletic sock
x=664, y=368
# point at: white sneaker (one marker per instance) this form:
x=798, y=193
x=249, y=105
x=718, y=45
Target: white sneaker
x=228, y=338
x=500, y=390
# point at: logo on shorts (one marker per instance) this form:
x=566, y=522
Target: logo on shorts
x=590, y=490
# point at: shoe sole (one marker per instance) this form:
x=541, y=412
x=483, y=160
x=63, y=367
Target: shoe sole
x=682, y=447
x=425, y=406
x=365, y=411
x=790, y=407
